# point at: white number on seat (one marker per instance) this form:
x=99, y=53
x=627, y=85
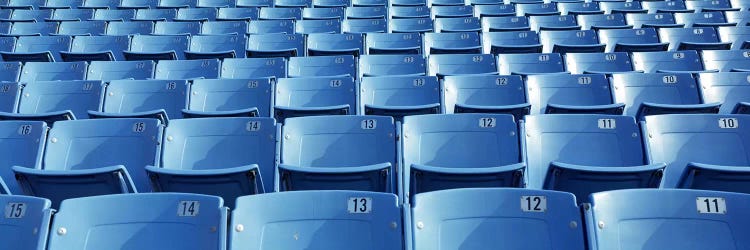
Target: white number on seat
x=487, y=122
x=711, y=205
x=536, y=204
x=669, y=79
x=252, y=126
x=24, y=130
x=336, y=83
x=501, y=81
x=188, y=208
x=584, y=80
x=252, y=84
x=419, y=82
x=369, y=124
x=728, y=123
x=171, y=85
x=15, y=210
x=678, y=55
x=359, y=205
x=139, y=127
x=607, y=123
x=610, y=57
x=543, y=58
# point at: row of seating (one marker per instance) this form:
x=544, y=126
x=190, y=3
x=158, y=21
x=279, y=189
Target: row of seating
x=451, y=219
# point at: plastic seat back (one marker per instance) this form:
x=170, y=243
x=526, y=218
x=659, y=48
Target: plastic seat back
x=362, y=26
x=726, y=60
x=602, y=21
x=389, y=65
x=130, y=28
x=97, y=48
x=38, y=49
x=598, y=63
x=270, y=27
x=226, y=96
x=177, y=28
x=49, y=71
x=76, y=28
x=529, y=64
x=446, y=65
x=458, y=24
x=335, y=44
x=122, y=15
x=224, y=28
x=400, y=96
x=322, y=66
x=117, y=70
x=631, y=40
x=127, y=97
x=22, y=145
x=667, y=61
x=26, y=221
x=411, y=25
x=167, y=47
x=735, y=35
x=553, y=22
x=641, y=92
x=10, y=71
x=237, y=14
x=323, y=26
x=505, y=23
x=187, y=69
x=511, y=42
x=390, y=43
x=576, y=93
x=701, y=38
x=315, y=96
x=276, y=45
x=728, y=88
x=567, y=41
x=485, y=94
x=452, y=43
x=216, y=47
x=248, y=68
x=77, y=97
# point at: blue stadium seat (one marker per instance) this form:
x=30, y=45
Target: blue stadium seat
x=726, y=60
x=325, y=13
x=81, y=28
x=26, y=222
x=30, y=15
x=160, y=99
x=314, y=96
x=279, y=13
x=22, y=144
x=494, y=10
x=741, y=18
x=177, y=28
x=177, y=4
x=360, y=26
x=230, y=98
x=224, y=28
x=317, y=26
x=3, y=188
x=331, y=4
x=9, y=92
x=322, y=66
x=187, y=69
x=668, y=61
x=155, y=15
x=142, y=221
x=411, y=25
x=146, y=47
x=545, y=220
x=584, y=154
x=390, y=43
x=452, y=43
x=129, y=28
x=48, y=71
x=438, y=3
x=24, y=4
x=603, y=21
x=396, y=3
x=702, y=38
x=541, y=23
x=4, y=27
x=266, y=221
x=598, y=63
x=293, y=3
x=57, y=100
x=335, y=44
x=93, y=157
x=455, y=11
x=505, y=23
x=579, y=8
x=678, y=219
x=738, y=36
x=100, y=4
x=571, y=41
x=485, y=151
x=254, y=3
x=676, y=6
x=486, y=94
x=530, y=64
x=709, y=6
x=373, y=12
x=122, y=15
x=117, y=70
x=275, y=45
x=400, y=96
x=740, y=5
x=389, y=65
x=96, y=48
x=511, y=42
x=248, y=68
x=621, y=7
x=369, y=3
x=449, y=65
x=653, y=20
x=729, y=88
x=659, y=93
x=196, y=14
x=215, y=4
x=237, y=14
x=216, y=47
x=705, y=19
x=340, y=152
x=38, y=49
x=571, y=94
x=227, y=157
x=632, y=40
x=33, y=29
x=72, y=14
x=706, y=152
x=10, y=71
x=537, y=9
x=271, y=26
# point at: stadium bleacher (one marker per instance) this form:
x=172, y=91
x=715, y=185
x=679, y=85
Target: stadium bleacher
x=375, y=124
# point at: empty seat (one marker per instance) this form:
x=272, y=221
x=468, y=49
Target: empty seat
x=682, y=142
x=494, y=10
x=275, y=45
x=709, y=6
x=24, y=4
x=622, y=7
x=706, y=19
x=322, y=26
x=530, y=64
x=216, y=47
x=100, y=4
x=224, y=28
x=33, y=29
x=448, y=65
x=254, y=3
x=668, y=61
x=388, y=65
x=458, y=24
x=741, y=18
x=114, y=15
x=117, y=70
x=22, y=144
x=692, y=39
x=511, y=42
x=248, y=68
x=155, y=15
x=485, y=151
x=145, y=47
x=632, y=40
x=58, y=100
x=454, y=11
x=26, y=222
x=486, y=94
x=738, y=36
x=177, y=4
x=30, y=15
x=372, y=219
x=450, y=216
x=237, y=14
x=81, y=28
x=10, y=71
x=325, y=13
x=584, y=154
x=373, y=12
x=341, y=152
x=215, y=4
x=676, y=212
x=452, y=43
x=72, y=15
x=316, y=96
x=120, y=221
x=411, y=25
x=271, y=26
x=731, y=89
x=603, y=21
x=657, y=20
x=322, y=66
x=598, y=63
x=366, y=3
x=335, y=44
x=400, y=96
x=434, y=3
x=571, y=41
x=659, y=93
x=537, y=9
x=579, y=8
x=293, y=3
x=96, y=48
x=540, y=23
x=177, y=28
x=726, y=60
x=93, y=157
x=279, y=13
x=676, y=6
x=226, y=157
x=571, y=94
x=5, y=29
x=161, y=99
x=130, y=28
x=38, y=49
x=229, y=98
x=187, y=69
x=505, y=23
x=52, y=71
x=359, y=26
x=196, y=14
x=390, y=43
